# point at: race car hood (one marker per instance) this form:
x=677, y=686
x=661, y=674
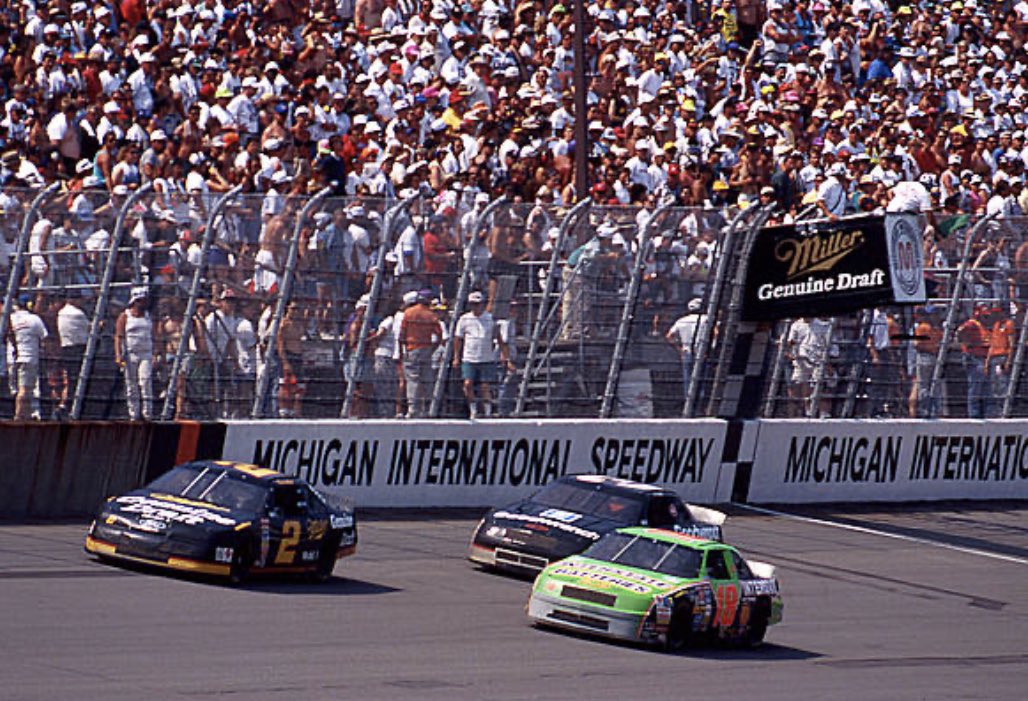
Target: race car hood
x=623, y=588
x=161, y=512
x=583, y=529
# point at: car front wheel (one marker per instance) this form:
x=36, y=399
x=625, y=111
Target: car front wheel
x=239, y=569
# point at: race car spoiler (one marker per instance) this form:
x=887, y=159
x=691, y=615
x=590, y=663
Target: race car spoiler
x=702, y=514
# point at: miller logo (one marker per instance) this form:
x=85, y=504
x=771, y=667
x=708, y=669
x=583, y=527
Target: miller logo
x=818, y=252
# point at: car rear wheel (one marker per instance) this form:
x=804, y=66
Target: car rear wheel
x=326, y=562
x=239, y=569
x=757, y=629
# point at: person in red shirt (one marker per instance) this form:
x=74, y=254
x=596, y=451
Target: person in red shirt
x=440, y=255
x=974, y=344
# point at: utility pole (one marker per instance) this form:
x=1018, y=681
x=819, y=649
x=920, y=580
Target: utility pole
x=581, y=107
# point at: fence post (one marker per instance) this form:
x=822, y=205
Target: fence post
x=100, y=310
x=735, y=307
x=713, y=301
x=376, y=289
x=1015, y=369
x=776, y=371
x=458, y=306
x=947, y=328
x=19, y=257
x=194, y=291
x=627, y=313
x=285, y=291
x=533, y=343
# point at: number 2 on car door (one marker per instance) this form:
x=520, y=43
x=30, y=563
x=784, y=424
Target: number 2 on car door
x=286, y=554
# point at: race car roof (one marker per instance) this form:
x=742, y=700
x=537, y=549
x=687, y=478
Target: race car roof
x=684, y=539
x=615, y=483
x=254, y=472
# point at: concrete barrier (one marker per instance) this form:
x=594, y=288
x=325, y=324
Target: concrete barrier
x=64, y=470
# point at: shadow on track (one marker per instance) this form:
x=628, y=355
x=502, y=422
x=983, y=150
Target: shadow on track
x=768, y=652
x=291, y=584
x=296, y=585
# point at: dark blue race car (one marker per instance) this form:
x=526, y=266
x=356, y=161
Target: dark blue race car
x=225, y=519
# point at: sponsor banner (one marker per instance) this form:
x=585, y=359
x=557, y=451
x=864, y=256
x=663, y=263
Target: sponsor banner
x=825, y=268
x=802, y=462
x=481, y=463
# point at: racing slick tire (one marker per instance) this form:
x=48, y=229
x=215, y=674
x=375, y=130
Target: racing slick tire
x=239, y=568
x=757, y=628
x=679, y=636
x=326, y=562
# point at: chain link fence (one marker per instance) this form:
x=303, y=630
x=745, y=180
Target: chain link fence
x=202, y=305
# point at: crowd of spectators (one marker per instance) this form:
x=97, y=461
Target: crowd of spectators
x=842, y=107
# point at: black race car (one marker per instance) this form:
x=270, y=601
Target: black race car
x=225, y=519
x=571, y=513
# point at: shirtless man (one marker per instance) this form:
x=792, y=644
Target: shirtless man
x=290, y=353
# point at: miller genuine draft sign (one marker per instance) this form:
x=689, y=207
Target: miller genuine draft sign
x=826, y=268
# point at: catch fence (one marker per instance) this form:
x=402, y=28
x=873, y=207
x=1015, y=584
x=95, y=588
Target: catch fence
x=283, y=305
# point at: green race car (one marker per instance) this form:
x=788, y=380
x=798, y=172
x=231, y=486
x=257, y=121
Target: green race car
x=659, y=587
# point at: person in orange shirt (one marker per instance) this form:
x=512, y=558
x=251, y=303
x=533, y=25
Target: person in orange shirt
x=420, y=334
x=974, y=344
x=1001, y=347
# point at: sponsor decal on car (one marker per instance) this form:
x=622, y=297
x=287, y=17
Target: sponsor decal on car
x=223, y=554
x=159, y=509
x=593, y=535
x=626, y=579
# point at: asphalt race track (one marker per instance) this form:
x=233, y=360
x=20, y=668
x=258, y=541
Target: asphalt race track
x=925, y=603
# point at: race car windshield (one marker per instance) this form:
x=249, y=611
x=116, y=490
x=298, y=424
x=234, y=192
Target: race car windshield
x=647, y=554
x=589, y=500
x=215, y=487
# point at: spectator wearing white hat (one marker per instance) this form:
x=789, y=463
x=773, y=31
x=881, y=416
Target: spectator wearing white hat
x=684, y=335
x=26, y=334
x=832, y=193
x=476, y=341
x=244, y=111
x=134, y=354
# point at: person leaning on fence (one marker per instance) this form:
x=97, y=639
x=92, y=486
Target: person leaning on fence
x=26, y=333
x=974, y=346
x=134, y=353
x=476, y=339
x=420, y=334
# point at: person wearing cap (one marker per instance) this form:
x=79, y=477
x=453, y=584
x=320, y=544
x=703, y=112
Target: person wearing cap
x=420, y=335
x=390, y=387
x=683, y=335
x=927, y=337
x=221, y=328
x=476, y=341
x=26, y=333
x=134, y=354
x=831, y=194
x=974, y=347
x=243, y=110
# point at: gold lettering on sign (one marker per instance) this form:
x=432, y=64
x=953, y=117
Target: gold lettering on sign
x=817, y=252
